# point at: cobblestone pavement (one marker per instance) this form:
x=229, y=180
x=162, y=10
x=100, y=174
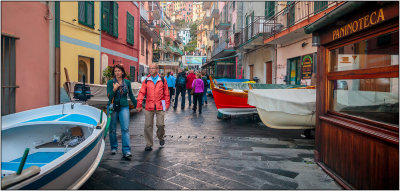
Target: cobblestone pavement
x=203, y=152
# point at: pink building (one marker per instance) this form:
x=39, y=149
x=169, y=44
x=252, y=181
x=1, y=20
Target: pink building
x=26, y=63
x=120, y=43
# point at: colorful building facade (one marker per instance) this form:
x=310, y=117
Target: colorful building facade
x=80, y=41
x=120, y=36
x=27, y=55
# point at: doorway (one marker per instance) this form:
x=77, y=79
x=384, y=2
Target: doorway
x=294, y=71
x=268, y=72
x=251, y=72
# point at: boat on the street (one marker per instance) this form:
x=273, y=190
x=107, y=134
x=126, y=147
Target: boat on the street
x=231, y=97
x=285, y=108
x=65, y=145
x=230, y=102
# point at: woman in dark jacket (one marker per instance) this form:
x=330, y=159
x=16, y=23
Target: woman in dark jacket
x=118, y=90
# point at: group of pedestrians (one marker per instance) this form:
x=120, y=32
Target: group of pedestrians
x=158, y=91
x=194, y=85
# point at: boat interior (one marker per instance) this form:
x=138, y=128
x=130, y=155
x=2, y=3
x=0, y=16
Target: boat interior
x=46, y=143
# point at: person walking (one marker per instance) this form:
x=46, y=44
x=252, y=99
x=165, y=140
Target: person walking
x=118, y=90
x=155, y=88
x=171, y=84
x=204, y=77
x=198, y=89
x=180, y=85
x=191, y=76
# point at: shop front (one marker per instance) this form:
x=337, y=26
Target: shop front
x=357, y=132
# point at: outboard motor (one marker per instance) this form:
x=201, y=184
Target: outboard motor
x=256, y=79
x=82, y=91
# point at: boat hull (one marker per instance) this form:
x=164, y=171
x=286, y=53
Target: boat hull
x=225, y=99
x=238, y=111
x=73, y=165
x=281, y=120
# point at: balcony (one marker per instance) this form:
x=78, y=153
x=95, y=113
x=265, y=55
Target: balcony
x=167, y=63
x=224, y=22
x=145, y=28
x=213, y=36
x=206, y=5
x=207, y=18
x=215, y=10
x=224, y=47
x=298, y=14
x=144, y=13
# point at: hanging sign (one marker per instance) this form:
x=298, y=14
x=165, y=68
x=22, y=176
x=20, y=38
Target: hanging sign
x=307, y=63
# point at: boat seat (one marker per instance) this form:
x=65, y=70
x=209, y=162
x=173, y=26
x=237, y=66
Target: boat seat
x=39, y=159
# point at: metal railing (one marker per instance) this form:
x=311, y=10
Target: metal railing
x=293, y=14
x=225, y=42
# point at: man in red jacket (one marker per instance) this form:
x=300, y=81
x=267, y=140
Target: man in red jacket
x=191, y=76
x=155, y=88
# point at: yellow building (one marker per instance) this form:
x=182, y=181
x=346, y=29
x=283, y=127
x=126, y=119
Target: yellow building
x=80, y=41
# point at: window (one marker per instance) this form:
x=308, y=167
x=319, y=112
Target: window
x=130, y=31
x=290, y=7
x=364, y=79
x=269, y=9
x=110, y=17
x=86, y=13
x=320, y=6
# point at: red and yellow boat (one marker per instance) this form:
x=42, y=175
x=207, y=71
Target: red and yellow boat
x=231, y=102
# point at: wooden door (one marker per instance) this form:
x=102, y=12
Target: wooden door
x=251, y=72
x=268, y=73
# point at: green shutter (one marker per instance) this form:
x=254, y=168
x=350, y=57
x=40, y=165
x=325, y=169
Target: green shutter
x=130, y=20
x=105, y=16
x=115, y=19
x=133, y=30
x=89, y=13
x=81, y=12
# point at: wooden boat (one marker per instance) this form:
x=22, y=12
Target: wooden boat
x=231, y=97
x=65, y=143
x=230, y=102
x=285, y=108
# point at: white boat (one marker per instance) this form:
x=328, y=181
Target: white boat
x=99, y=92
x=285, y=108
x=43, y=131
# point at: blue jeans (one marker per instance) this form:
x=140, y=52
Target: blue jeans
x=189, y=96
x=123, y=116
x=182, y=91
x=204, y=95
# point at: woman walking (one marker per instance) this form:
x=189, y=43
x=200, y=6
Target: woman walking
x=118, y=90
x=198, y=89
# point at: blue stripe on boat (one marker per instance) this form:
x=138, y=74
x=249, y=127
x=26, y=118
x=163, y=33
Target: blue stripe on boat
x=62, y=169
x=80, y=118
x=47, y=118
x=13, y=166
x=40, y=157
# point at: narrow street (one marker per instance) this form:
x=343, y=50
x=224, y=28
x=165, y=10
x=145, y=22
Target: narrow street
x=203, y=152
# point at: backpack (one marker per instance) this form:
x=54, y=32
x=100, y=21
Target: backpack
x=181, y=81
x=162, y=79
x=204, y=78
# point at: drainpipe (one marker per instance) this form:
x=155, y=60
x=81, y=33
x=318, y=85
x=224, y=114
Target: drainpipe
x=57, y=52
x=276, y=63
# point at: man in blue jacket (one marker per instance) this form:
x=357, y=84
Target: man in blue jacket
x=171, y=84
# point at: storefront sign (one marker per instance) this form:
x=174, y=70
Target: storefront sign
x=366, y=21
x=307, y=63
